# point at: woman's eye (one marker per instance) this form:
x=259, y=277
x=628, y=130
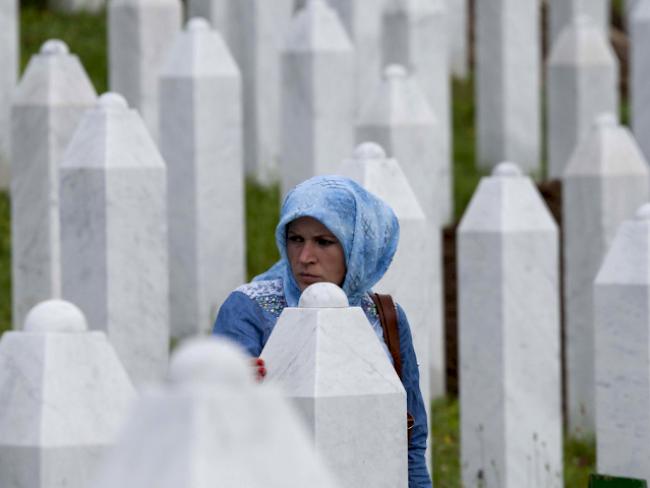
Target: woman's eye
x=294, y=238
x=325, y=242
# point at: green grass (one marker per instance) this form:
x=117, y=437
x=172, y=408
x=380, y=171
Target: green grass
x=86, y=37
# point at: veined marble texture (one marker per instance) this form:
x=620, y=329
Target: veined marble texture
x=457, y=11
x=47, y=106
x=362, y=20
x=331, y=364
x=582, y=83
x=639, y=28
x=201, y=142
x=508, y=87
x=64, y=397
x=256, y=35
x=317, y=95
x=8, y=77
x=114, y=235
x=509, y=337
x=563, y=12
x=210, y=425
x=398, y=117
x=416, y=35
x=622, y=351
x=140, y=33
x=414, y=276
x=604, y=183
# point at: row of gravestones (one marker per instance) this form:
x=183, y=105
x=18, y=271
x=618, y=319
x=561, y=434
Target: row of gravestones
x=71, y=417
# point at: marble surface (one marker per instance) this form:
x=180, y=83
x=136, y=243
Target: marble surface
x=398, y=117
x=416, y=33
x=509, y=336
x=256, y=35
x=582, y=83
x=216, y=12
x=8, y=77
x=622, y=352
x=458, y=44
x=331, y=364
x=64, y=397
x=362, y=20
x=639, y=30
x=605, y=181
x=48, y=104
x=563, y=12
x=140, y=33
x=414, y=277
x=318, y=107
x=210, y=425
x=201, y=142
x=114, y=235
x=508, y=87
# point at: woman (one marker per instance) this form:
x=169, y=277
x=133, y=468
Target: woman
x=330, y=230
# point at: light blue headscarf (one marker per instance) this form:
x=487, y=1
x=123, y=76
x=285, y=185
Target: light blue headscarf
x=364, y=225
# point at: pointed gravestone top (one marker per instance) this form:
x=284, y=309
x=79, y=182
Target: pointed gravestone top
x=397, y=100
x=54, y=77
x=582, y=42
x=199, y=51
x=627, y=259
x=323, y=295
x=317, y=27
x=506, y=201
x=55, y=316
x=112, y=135
x=169, y=441
x=609, y=148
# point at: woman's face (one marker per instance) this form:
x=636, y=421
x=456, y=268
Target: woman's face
x=314, y=253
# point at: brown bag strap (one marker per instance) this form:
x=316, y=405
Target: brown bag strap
x=388, y=320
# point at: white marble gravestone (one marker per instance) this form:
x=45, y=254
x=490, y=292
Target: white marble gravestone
x=140, y=33
x=509, y=336
x=256, y=34
x=605, y=181
x=398, y=117
x=416, y=35
x=582, y=82
x=458, y=11
x=507, y=88
x=329, y=361
x=363, y=22
x=201, y=142
x=47, y=106
x=8, y=76
x=639, y=28
x=210, y=425
x=317, y=95
x=563, y=12
x=64, y=397
x=216, y=12
x=622, y=335
x=114, y=234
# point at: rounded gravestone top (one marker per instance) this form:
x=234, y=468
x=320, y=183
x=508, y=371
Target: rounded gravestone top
x=606, y=119
x=395, y=71
x=198, y=24
x=55, y=316
x=369, y=150
x=54, y=47
x=323, y=295
x=210, y=360
x=643, y=213
x=112, y=101
x=507, y=170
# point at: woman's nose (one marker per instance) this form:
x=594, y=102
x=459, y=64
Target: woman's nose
x=307, y=253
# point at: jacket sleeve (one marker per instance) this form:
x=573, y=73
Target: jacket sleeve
x=242, y=320
x=418, y=473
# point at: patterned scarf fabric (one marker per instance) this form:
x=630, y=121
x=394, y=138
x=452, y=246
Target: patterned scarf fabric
x=364, y=225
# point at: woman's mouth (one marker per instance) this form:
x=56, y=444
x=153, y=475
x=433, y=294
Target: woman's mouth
x=309, y=279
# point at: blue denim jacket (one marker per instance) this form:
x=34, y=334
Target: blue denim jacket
x=249, y=314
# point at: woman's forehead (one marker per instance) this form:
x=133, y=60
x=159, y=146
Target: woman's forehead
x=308, y=225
